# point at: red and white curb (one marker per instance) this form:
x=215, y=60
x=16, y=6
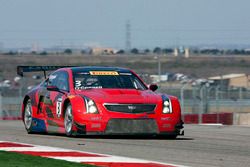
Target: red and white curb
x=102, y=160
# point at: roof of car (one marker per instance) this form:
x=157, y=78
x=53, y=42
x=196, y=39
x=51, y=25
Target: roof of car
x=98, y=68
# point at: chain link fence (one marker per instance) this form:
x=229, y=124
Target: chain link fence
x=212, y=104
x=211, y=99
x=10, y=103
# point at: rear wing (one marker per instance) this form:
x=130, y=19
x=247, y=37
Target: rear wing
x=23, y=69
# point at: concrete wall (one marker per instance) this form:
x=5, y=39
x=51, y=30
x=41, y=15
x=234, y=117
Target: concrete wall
x=241, y=119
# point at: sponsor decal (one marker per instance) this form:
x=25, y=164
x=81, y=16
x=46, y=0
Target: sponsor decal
x=166, y=119
x=125, y=73
x=92, y=83
x=103, y=73
x=88, y=87
x=96, y=125
x=96, y=118
x=166, y=125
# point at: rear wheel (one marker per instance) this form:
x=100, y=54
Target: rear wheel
x=27, y=116
x=68, y=121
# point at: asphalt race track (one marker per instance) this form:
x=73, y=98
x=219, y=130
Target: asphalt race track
x=202, y=145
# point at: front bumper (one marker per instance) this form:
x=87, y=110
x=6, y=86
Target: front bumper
x=179, y=130
x=131, y=127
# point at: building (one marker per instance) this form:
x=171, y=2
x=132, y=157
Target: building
x=102, y=51
x=158, y=78
x=232, y=80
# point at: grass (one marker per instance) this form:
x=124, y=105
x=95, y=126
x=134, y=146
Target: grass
x=11, y=159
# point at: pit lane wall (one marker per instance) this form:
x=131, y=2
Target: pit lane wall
x=220, y=118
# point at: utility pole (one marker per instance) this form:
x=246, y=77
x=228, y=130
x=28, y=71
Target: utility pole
x=159, y=68
x=128, y=36
x=183, y=100
x=1, y=108
x=201, y=110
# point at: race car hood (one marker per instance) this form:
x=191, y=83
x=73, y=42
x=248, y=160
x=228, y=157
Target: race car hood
x=121, y=95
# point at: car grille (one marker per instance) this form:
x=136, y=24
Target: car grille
x=131, y=108
x=132, y=126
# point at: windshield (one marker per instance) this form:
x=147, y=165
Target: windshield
x=107, y=79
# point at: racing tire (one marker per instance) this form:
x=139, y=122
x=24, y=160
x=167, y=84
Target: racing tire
x=69, y=121
x=27, y=117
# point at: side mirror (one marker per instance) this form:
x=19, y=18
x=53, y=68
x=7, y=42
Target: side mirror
x=153, y=87
x=52, y=88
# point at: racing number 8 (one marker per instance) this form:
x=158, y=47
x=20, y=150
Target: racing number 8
x=58, y=108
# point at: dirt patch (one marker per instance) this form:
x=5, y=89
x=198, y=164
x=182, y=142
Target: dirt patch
x=197, y=66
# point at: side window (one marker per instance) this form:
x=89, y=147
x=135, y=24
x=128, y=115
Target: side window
x=63, y=81
x=45, y=83
x=138, y=85
x=60, y=80
x=53, y=79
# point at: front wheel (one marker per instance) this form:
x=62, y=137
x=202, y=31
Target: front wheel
x=27, y=116
x=68, y=121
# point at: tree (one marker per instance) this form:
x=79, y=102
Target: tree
x=11, y=53
x=34, y=52
x=167, y=50
x=44, y=53
x=68, y=51
x=134, y=51
x=120, y=52
x=83, y=52
x=146, y=51
x=157, y=50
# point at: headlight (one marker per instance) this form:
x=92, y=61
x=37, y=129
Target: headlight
x=167, y=106
x=90, y=106
x=165, y=110
x=166, y=103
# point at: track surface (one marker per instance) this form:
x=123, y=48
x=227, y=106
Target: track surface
x=202, y=146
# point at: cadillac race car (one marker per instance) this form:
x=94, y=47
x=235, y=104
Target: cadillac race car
x=97, y=101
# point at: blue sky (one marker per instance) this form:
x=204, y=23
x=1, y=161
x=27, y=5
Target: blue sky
x=102, y=22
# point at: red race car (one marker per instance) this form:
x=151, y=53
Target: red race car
x=98, y=100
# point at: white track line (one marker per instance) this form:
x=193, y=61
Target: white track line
x=102, y=159
x=208, y=124
x=35, y=149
